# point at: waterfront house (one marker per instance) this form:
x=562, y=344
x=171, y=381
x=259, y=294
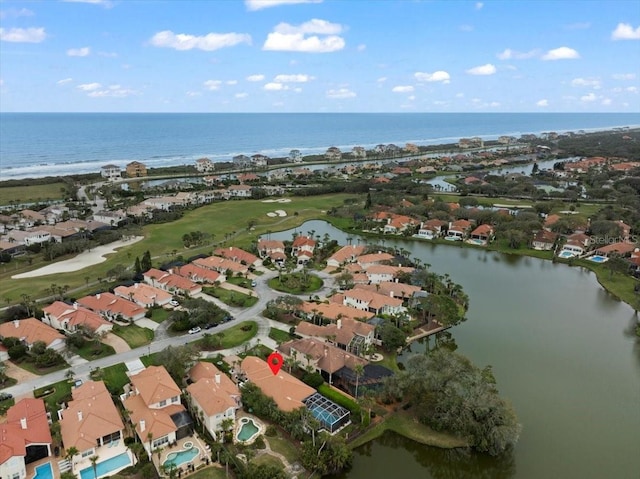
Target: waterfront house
x=346, y=254
x=544, y=240
x=431, y=229
x=135, y=169
x=481, y=235
x=621, y=248
x=144, y=295
x=205, y=165
x=241, y=161
x=110, y=172
x=259, y=160
x=153, y=399
x=112, y=307
x=213, y=396
x=239, y=191
x=366, y=260
x=359, y=152
x=303, y=248
x=91, y=424
x=333, y=153
x=331, y=311
x=273, y=249
x=393, y=289
x=24, y=437
x=373, y=302
x=30, y=331
x=72, y=318
x=380, y=273
x=349, y=334
x=458, y=230
x=295, y=156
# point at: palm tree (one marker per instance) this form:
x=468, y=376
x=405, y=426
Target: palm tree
x=72, y=451
x=358, y=369
x=94, y=464
x=226, y=425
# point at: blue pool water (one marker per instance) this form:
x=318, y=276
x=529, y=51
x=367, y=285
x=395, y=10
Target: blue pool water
x=107, y=467
x=180, y=457
x=44, y=471
x=248, y=430
x=597, y=258
x=566, y=254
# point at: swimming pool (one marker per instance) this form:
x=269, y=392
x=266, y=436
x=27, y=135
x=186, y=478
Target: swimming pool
x=178, y=458
x=108, y=467
x=566, y=254
x=248, y=430
x=596, y=258
x=44, y=471
x=476, y=241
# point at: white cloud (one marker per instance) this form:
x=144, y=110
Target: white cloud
x=255, y=77
x=459, y=95
x=212, y=84
x=299, y=78
x=437, y=76
x=112, y=91
x=606, y=101
x=542, y=103
x=89, y=86
x=479, y=5
x=494, y=104
x=295, y=38
x=487, y=69
x=624, y=76
x=241, y=95
x=15, y=13
x=273, y=86
x=402, y=89
x=589, y=98
x=588, y=82
x=253, y=5
x=231, y=82
x=632, y=89
x=208, y=42
x=194, y=93
x=509, y=54
x=340, y=93
x=104, y=3
x=624, y=31
x=562, y=53
x=64, y=81
x=79, y=52
x=381, y=79
x=23, y=35
x=362, y=47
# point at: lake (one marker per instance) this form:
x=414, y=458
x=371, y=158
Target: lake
x=562, y=351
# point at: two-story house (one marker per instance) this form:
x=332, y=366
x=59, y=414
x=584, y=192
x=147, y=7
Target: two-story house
x=144, y=295
x=112, y=307
x=30, y=331
x=72, y=318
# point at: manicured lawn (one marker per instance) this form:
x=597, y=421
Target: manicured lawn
x=211, y=472
x=94, y=350
x=405, y=425
x=30, y=194
x=231, y=217
x=284, y=447
x=279, y=335
x=268, y=459
x=159, y=314
x=6, y=404
x=115, y=377
x=28, y=365
x=134, y=335
x=59, y=392
x=295, y=283
x=242, y=282
x=232, y=298
x=239, y=334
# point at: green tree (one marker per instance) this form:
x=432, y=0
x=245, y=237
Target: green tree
x=358, y=370
x=392, y=337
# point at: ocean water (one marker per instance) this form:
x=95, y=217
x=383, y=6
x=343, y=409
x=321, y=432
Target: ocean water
x=50, y=144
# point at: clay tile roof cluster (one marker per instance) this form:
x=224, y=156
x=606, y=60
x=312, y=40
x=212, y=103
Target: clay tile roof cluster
x=143, y=293
x=31, y=330
x=287, y=391
x=89, y=416
x=154, y=384
x=391, y=288
x=212, y=389
x=347, y=253
x=329, y=358
x=197, y=273
x=374, y=258
x=236, y=254
x=483, y=230
x=220, y=264
x=14, y=439
x=109, y=302
x=374, y=300
x=303, y=241
x=343, y=332
x=333, y=311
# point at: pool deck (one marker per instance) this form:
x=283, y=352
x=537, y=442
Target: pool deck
x=200, y=459
x=31, y=468
x=104, y=453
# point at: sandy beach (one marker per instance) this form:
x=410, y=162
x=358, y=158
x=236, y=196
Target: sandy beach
x=83, y=260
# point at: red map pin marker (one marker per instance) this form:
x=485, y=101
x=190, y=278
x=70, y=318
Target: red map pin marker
x=275, y=362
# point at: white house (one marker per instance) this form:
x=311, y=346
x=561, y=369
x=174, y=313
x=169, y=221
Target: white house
x=204, y=165
x=111, y=172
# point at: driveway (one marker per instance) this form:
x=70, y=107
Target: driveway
x=116, y=342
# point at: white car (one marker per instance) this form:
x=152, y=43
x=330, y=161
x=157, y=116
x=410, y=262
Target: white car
x=174, y=303
x=195, y=330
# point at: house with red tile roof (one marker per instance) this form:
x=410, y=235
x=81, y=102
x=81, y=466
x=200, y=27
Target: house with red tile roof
x=239, y=255
x=112, y=307
x=349, y=334
x=198, y=274
x=144, y=295
x=173, y=283
x=621, y=248
x=458, y=230
x=346, y=254
x=366, y=260
x=239, y=191
x=431, y=229
x=481, y=235
x=303, y=244
x=550, y=220
x=214, y=396
x=399, y=223
x=544, y=240
x=156, y=409
x=92, y=424
x=30, y=330
x=24, y=437
x=373, y=302
x=287, y=391
x=393, y=289
x=222, y=265
x=73, y=318
x=332, y=311
x=273, y=249
x=380, y=273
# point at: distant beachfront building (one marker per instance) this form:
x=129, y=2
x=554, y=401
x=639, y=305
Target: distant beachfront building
x=259, y=160
x=295, y=156
x=203, y=165
x=475, y=142
x=110, y=172
x=359, y=152
x=135, y=169
x=333, y=154
x=241, y=161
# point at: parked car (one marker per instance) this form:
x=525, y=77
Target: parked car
x=228, y=318
x=195, y=330
x=5, y=396
x=174, y=303
x=254, y=284
x=210, y=325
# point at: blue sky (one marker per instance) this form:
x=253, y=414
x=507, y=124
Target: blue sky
x=319, y=56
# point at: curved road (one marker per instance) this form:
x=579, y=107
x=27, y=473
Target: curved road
x=265, y=294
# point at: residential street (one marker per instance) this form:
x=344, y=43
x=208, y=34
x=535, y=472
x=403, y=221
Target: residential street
x=162, y=340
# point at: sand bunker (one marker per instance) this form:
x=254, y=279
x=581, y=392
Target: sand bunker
x=280, y=200
x=271, y=214
x=280, y=213
x=83, y=260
